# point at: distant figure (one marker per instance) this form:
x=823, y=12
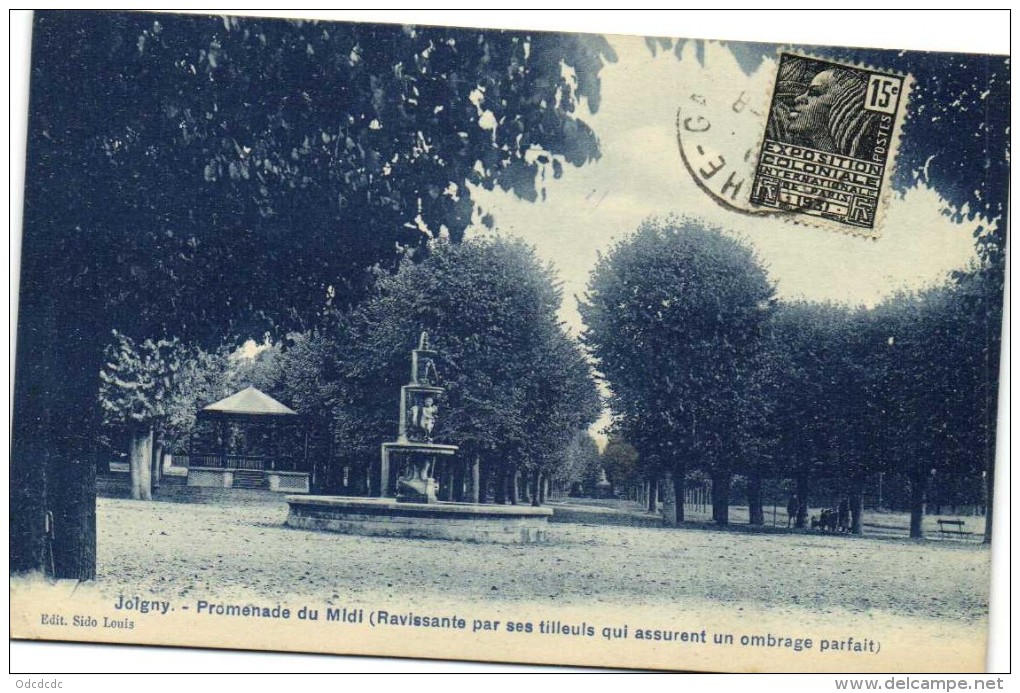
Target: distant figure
x=792, y=508
x=826, y=521
x=843, y=515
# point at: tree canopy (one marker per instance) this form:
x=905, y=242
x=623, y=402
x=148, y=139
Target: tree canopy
x=245, y=171
x=509, y=369
x=676, y=318
x=709, y=372
x=207, y=178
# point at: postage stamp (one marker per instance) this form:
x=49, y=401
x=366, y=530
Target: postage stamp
x=830, y=142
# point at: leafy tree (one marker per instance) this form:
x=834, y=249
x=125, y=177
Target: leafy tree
x=906, y=389
x=311, y=381
x=941, y=386
x=581, y=463
x=517, y=388
x=136, y=379
x=202, y=377
x=136, y=386
x=619, y=459
x=206, y=179
x=644, y=426
x=676, y=319
x=830, y=420
x=564, y=402
x=806, y=416
x=154, y=390
x=857, y=344
x=754, y=430
x=975, y=327
x=264, y=369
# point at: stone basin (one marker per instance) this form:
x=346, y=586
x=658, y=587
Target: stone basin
x=385, y=517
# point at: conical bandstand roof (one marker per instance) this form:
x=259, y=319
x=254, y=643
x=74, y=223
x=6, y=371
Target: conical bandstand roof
x=250, y=402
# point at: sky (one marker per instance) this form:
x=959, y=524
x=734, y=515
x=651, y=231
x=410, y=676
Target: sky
x=640, y=175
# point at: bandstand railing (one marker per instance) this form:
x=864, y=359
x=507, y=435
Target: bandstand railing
x=257, y=463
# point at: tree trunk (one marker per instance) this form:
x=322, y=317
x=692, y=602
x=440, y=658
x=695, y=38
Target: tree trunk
x=328, y=473
x=141, y=464
x=536, y=486
x=543, y=489
x=475, y=479
x=74, y=526
x=461, y=480
x=157, y=463
x=512, y=478
x=524, y=481
x=653, y=495
x=437, y=475
x=857, y=507
x=721, y=497
x=679, y=492
x=30, y=548
x=918, y=499
x=484, y=481
x=53, y=504
x=60, y=338
x=458, y=480
x=363, y=478
x=359, y=479
x=757, y=512
x=447, y=489
x=856, y=512
x=802, y=498
x=499, y=482
x=314, y=473
x=449, y=475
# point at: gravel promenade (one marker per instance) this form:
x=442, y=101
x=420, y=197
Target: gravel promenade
x=180, y=550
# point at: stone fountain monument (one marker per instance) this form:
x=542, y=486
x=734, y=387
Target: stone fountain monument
x=404, y=490
x=419, y=414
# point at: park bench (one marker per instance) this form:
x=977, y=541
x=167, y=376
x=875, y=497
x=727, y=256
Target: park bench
x=953, y=527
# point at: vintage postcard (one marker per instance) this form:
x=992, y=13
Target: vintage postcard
x=508, y=345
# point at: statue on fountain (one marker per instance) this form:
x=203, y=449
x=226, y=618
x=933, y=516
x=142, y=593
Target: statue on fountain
x=423, y=419
x=415, y=446
x=416, y=485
